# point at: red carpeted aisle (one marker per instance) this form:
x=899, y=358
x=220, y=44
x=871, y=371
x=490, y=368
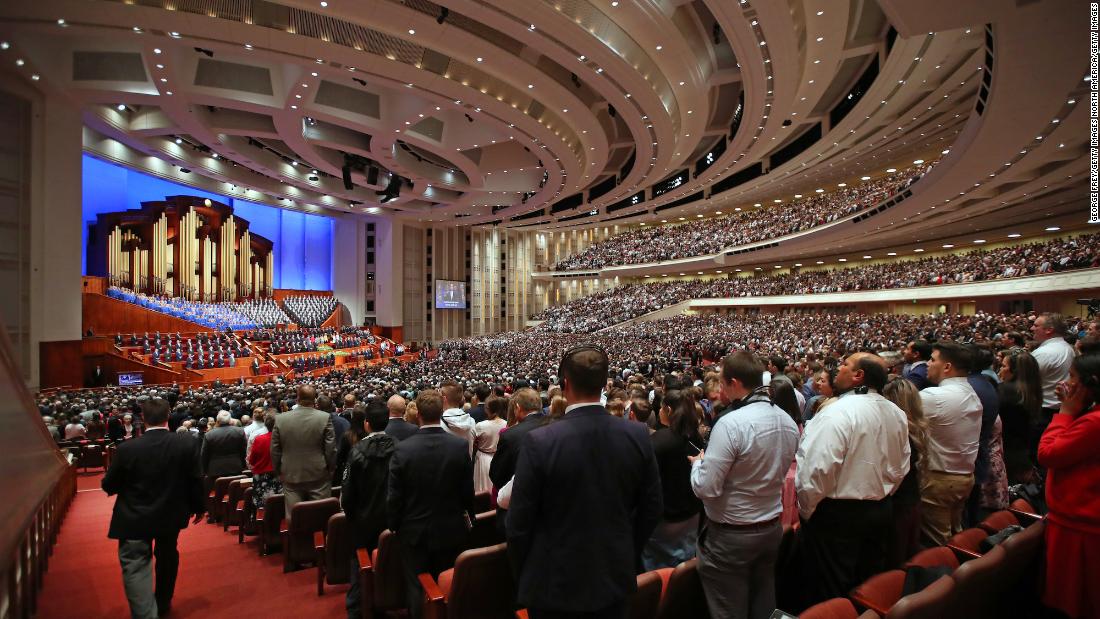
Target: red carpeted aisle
x=218, y=578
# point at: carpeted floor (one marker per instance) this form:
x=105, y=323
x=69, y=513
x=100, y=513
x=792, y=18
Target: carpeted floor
x=218, y=578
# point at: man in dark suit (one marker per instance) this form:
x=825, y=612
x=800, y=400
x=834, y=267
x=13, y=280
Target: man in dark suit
x=158, y=481
x=223, y=449
x=477, y=411
x=585, y=498
x=529, y=416
x=430, y=500
x=397, y=427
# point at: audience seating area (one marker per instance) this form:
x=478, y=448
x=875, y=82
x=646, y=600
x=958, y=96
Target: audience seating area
x=743, y=226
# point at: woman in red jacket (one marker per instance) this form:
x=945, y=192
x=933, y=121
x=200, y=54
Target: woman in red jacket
x=264, y=480
x=1068, y=449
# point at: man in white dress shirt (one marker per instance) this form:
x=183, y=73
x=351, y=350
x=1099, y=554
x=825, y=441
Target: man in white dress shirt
x=954, y=415
x=456, y=420
x=851, y=460
x=1054, y=356
x=740, y=482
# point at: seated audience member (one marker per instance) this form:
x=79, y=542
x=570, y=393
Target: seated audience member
x=954, y=415
x=430, y=500
x=264, y=480
x=851, y=460
x=739, y=479
x=363, y=493
x=74, y=429
x=96, y=428
x=1068, y=450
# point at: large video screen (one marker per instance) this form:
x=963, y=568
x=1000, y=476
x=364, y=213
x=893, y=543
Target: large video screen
x=449, y=294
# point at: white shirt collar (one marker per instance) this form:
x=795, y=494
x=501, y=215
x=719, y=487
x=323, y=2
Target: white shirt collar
x=581, y=404
x=432, y=425
x=156, y=428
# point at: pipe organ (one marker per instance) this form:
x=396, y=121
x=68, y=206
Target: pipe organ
x=184, y=246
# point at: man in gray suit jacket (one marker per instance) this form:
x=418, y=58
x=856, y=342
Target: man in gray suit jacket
x=223, y=450
x=303, y=451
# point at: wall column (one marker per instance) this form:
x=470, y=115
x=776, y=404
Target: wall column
x=349, y=274
x=389, y=258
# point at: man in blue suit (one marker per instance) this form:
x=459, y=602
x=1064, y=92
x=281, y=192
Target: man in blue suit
x=585, y=498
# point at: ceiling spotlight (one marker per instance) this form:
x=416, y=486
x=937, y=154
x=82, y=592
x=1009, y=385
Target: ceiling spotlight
x=865, y=178
x=479, y=59
x=35, y=77
x=294, y=163
x=61, y=22
x=137, y=29
x=19, y=62
x=174, y=35
x=411, y=31
x=324, y=5
x=5, y=45
x=156, y=50
x=614, y=3
x=179, y=141
x=214, y=155
x=1014, y=235
x=1053, y=229
x=120, y=107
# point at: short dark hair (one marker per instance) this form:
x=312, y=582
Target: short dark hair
x=923, y=348
x=779, y=362
x=745, y=367
x=429, y=405
x=981, y=357
x=640, y=408
x=585, y=367
x=324, y=403
x=955, y=354
x=874, y=371
x=377, y=415
x=155, y=411
x=482, y=391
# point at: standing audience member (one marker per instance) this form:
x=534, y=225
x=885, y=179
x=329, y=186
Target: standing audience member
x=529, y=416
x=674, y=540
x=917, y=353
x=264, y=480
x=223, y=450
x=740, y=481
x=851, y=460
x=397, y=426
x=486, y=436
x=1020, y=396
x=907, y=508
x=1068, y=450
x=355, y=433
x=954, y=415
x=430, y=501
x=1054, y=357
x=363, y=493
x=303, y=451
x=455, y=420
x=158, y=480
x=576, y=528
x=989, y=469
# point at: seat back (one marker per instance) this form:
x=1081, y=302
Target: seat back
x=999, y=520
x=967, y=543
x=221, y=488
x=880, y=592
x=836, y=608
x=646, y=599
x=1023, y=560
x=483, y=587
x=933, y=602
x=389, y=573
x=485, y=532
x=683, y=595
x=338, y=550
x=274, y=512
x=979, y=584
x=233, y=496
x=306, y=518
x=940, y=556
x=91, y=455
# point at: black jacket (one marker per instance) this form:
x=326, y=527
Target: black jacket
x=158, y=481
x=585, y=499
x=363, y=496
x=503, y=466
x=223, y=450
x=431, y=490
x=672, y=451
x=400, y=429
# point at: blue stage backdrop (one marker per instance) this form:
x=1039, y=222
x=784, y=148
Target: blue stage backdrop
x=303, y=242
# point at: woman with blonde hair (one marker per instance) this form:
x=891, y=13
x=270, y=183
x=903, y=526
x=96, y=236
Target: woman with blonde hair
x=557, y=408
x=411, y=414
x=907, y=515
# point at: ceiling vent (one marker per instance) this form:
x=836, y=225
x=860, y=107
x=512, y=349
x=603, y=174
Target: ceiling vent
x=233, y=76
x=108, y=67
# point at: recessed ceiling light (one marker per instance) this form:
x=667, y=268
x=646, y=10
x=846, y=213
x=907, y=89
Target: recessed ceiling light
x=411, y=31
x=160, y=66
x=892, y=253
x=163, y=80
x=865, y=178
x=530, y=85
x=156, y=50
x=137, y=29
x=61, y=22
x=324, y=5
x=891, y=170
x=169, y=93
x=660, y=47
x=36, y=77
x=820, y=39
x=979, y=241
x=1014, y=235
x=918, y=161
x=19, y=62
x=214, y=155
x=918, y=250
x=179, y=141
x=947, y=245
x=248, y=46
x=174, y=35
x=5, y=45
x=120, y=107
x=820, y=13
x=866, y=257
x=1053, y=229
x=314, y=74
x=615, y=3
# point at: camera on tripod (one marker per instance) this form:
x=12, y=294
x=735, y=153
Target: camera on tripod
x=1092, y=304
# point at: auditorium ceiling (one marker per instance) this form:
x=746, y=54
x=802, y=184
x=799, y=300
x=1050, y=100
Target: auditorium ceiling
x=561, y=114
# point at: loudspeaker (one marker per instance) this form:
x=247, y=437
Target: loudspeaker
x=372, y=175
x=346, y=170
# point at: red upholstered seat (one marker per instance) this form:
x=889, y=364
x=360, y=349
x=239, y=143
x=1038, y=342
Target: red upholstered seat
x=215, y=505
x=231, y=503
x=979, y=584
x=932, y=602
x=836, y=608
x=306, y=518
x=966, y=544
x=879, y=592
x=485, y=531
x=940, y=556
x=381, y=577
x=683, y=592
x=480, y=586
x=270, y=522
x=646, y=600
x=334, y=551
x=998, y=520
x=1024, y=511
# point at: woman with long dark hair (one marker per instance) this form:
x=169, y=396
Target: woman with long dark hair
x=906, y=503
x=674, y=539
x=1021, y=401
x=1068, y=450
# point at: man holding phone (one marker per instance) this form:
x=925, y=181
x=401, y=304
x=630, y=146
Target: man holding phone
x=740, y=481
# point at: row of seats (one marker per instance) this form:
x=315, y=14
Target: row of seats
x=999, y=582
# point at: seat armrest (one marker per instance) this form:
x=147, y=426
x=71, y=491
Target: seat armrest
x=365, y=563
x=963, y=554
x=1025, y=518
x=435, y=602
x=319, y=540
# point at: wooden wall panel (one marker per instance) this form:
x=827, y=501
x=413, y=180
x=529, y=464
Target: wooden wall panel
x=394, y=333
x=107, y=316
x=96, y=285
x=59, y=364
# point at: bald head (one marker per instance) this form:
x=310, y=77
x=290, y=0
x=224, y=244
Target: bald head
x=307, y=395
x=396, y=406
